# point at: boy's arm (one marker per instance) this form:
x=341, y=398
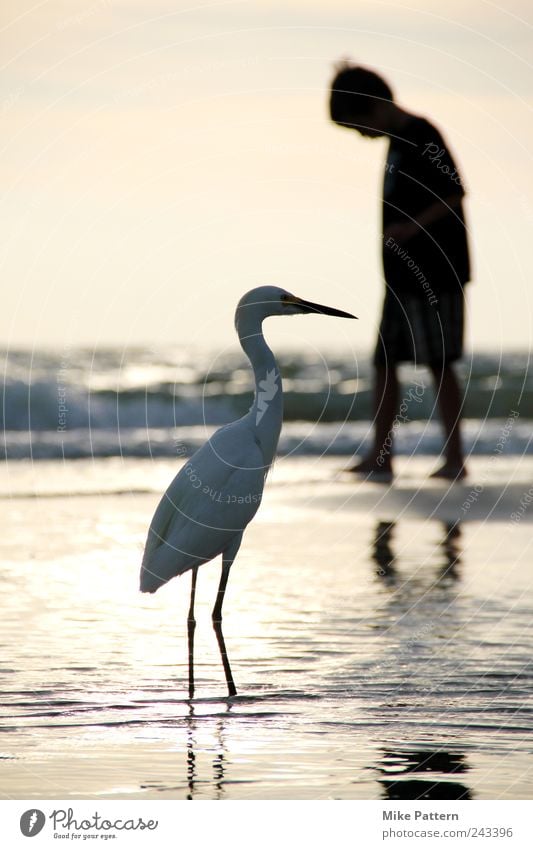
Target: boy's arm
x=402, y=231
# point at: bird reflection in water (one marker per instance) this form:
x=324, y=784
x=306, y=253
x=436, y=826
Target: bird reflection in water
x=198, y=785
x=440, y=763
x=195, y=783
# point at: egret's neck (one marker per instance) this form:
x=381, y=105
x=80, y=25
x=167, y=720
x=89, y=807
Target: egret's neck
x=266, y=413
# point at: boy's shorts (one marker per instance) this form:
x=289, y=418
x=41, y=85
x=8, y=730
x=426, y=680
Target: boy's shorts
x=414, y=330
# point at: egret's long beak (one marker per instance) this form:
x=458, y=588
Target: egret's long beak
x=309, y=306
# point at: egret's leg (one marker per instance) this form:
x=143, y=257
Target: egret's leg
x=191, y=625
x=217, y=625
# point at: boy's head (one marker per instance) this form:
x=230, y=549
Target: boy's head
x=361, y=100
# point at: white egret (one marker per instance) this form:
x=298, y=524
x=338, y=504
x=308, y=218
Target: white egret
x=208, y=505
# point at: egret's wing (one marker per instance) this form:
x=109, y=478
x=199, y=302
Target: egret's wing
x=164, y=514
x=211, y=501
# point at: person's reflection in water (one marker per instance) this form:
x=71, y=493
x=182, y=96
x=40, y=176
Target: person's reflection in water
x=407, y=762
x=452, y=551
x=414, y=599
x=384, y=557
x=382, y=553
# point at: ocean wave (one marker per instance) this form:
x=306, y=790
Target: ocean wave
x=137, y=402
x=297, y=439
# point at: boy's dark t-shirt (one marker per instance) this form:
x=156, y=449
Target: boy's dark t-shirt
x=420, y=171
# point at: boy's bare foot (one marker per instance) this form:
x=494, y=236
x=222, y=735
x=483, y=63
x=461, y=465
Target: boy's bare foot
x=372, y=471
x=450, y=472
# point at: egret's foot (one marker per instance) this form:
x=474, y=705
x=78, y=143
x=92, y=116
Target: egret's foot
x=372, y=471
x=450, y=472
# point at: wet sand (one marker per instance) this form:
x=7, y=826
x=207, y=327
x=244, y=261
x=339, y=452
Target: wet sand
x=380, y=640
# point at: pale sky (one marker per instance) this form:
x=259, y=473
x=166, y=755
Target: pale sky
x=159, y=158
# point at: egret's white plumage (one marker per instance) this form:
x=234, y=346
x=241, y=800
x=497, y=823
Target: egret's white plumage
x=205, y=506
x=215, y=495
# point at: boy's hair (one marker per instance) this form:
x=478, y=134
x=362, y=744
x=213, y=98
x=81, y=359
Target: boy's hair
x=354, y=91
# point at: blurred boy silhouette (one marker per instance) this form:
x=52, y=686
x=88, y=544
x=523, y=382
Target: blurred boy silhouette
x=425, y=261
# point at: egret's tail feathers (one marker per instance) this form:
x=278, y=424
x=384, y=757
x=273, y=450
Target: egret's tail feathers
x=164, y=563
x=156, y=572
x=149, y=582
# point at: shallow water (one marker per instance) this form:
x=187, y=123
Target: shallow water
x=377, y=654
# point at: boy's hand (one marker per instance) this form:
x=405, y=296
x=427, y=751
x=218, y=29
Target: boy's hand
x=400, y=232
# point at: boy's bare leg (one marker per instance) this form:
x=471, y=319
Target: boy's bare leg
x=385, y=409
x=450, y=403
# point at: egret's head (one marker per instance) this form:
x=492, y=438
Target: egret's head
x=264, y=301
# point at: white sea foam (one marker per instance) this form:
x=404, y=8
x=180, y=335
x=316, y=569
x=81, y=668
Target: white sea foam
x=140, y=403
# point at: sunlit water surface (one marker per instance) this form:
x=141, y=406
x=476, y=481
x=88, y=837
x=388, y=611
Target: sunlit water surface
x=376, y=655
